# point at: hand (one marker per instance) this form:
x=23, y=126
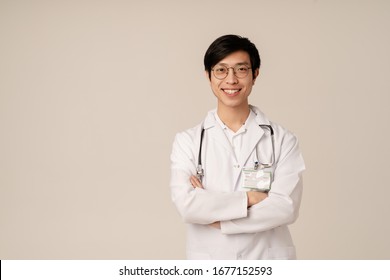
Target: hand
x=216, y=225
x=255, y=197
x=195, y=182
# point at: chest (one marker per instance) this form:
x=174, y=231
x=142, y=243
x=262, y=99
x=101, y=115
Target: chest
x=223, y=162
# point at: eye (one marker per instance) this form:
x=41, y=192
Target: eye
x=220, y=70
x=242, y=69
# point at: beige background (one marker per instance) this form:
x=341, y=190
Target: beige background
x=93, y=92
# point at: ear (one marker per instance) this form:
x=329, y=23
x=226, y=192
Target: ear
x=208, y=76
x=257, y=72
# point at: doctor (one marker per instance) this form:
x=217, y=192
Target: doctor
x=237, y=177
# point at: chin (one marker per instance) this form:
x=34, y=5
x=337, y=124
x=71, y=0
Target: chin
x=233, y=104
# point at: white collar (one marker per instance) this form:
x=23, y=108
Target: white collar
x=251, y=116
x=258, y=116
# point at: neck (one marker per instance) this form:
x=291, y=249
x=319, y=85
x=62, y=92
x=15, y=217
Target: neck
x=233, y=118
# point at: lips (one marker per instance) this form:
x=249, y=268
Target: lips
x=231, y=92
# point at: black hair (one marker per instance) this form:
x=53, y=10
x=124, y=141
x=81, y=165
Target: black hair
x=226, y=45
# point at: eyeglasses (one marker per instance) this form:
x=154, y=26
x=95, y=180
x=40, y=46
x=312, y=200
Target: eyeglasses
x=240, y=71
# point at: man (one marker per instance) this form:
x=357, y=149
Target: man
x=236, y=177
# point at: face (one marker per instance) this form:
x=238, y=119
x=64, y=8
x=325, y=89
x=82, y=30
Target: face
x=231, y=91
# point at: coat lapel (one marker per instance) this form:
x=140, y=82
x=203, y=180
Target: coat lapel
x=255, y=132
x=215, y=131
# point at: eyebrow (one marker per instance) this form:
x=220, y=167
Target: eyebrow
x=237, y=64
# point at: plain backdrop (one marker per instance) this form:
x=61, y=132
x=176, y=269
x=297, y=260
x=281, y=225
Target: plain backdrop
x=93, y=92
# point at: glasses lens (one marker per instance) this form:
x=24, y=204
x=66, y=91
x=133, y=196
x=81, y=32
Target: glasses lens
x=241, y=71
x=220, y=72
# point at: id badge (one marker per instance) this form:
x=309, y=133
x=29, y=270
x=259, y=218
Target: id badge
x=256, y=179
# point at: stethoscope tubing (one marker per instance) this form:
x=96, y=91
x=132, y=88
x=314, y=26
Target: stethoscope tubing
x=200, y=171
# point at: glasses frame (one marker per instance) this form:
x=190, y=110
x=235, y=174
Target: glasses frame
x=234, y=71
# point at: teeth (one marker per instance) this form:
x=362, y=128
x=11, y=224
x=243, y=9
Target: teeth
x=231, y=91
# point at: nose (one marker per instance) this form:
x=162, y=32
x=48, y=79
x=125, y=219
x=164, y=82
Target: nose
x=231, y=78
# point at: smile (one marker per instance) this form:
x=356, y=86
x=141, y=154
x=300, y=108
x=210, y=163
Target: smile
x=231, y=91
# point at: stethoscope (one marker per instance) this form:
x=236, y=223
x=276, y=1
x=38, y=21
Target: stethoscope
x=257, y=165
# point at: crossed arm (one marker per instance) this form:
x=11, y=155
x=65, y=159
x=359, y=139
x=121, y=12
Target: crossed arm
x=237, y=212
x=253, y=197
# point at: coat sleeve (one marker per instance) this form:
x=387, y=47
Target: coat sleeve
x=281, y=207
x=199, y=206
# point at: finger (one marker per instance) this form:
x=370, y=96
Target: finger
x=196, y=183
x=193, y=182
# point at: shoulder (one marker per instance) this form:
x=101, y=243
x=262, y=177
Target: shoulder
x=187, y=142
x=285, y=141
x=185, y=146
x=283, y=133
x=188, y=136
x=287, y=150
x=280, y=131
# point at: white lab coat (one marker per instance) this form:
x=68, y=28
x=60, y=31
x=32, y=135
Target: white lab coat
x=259, y=232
